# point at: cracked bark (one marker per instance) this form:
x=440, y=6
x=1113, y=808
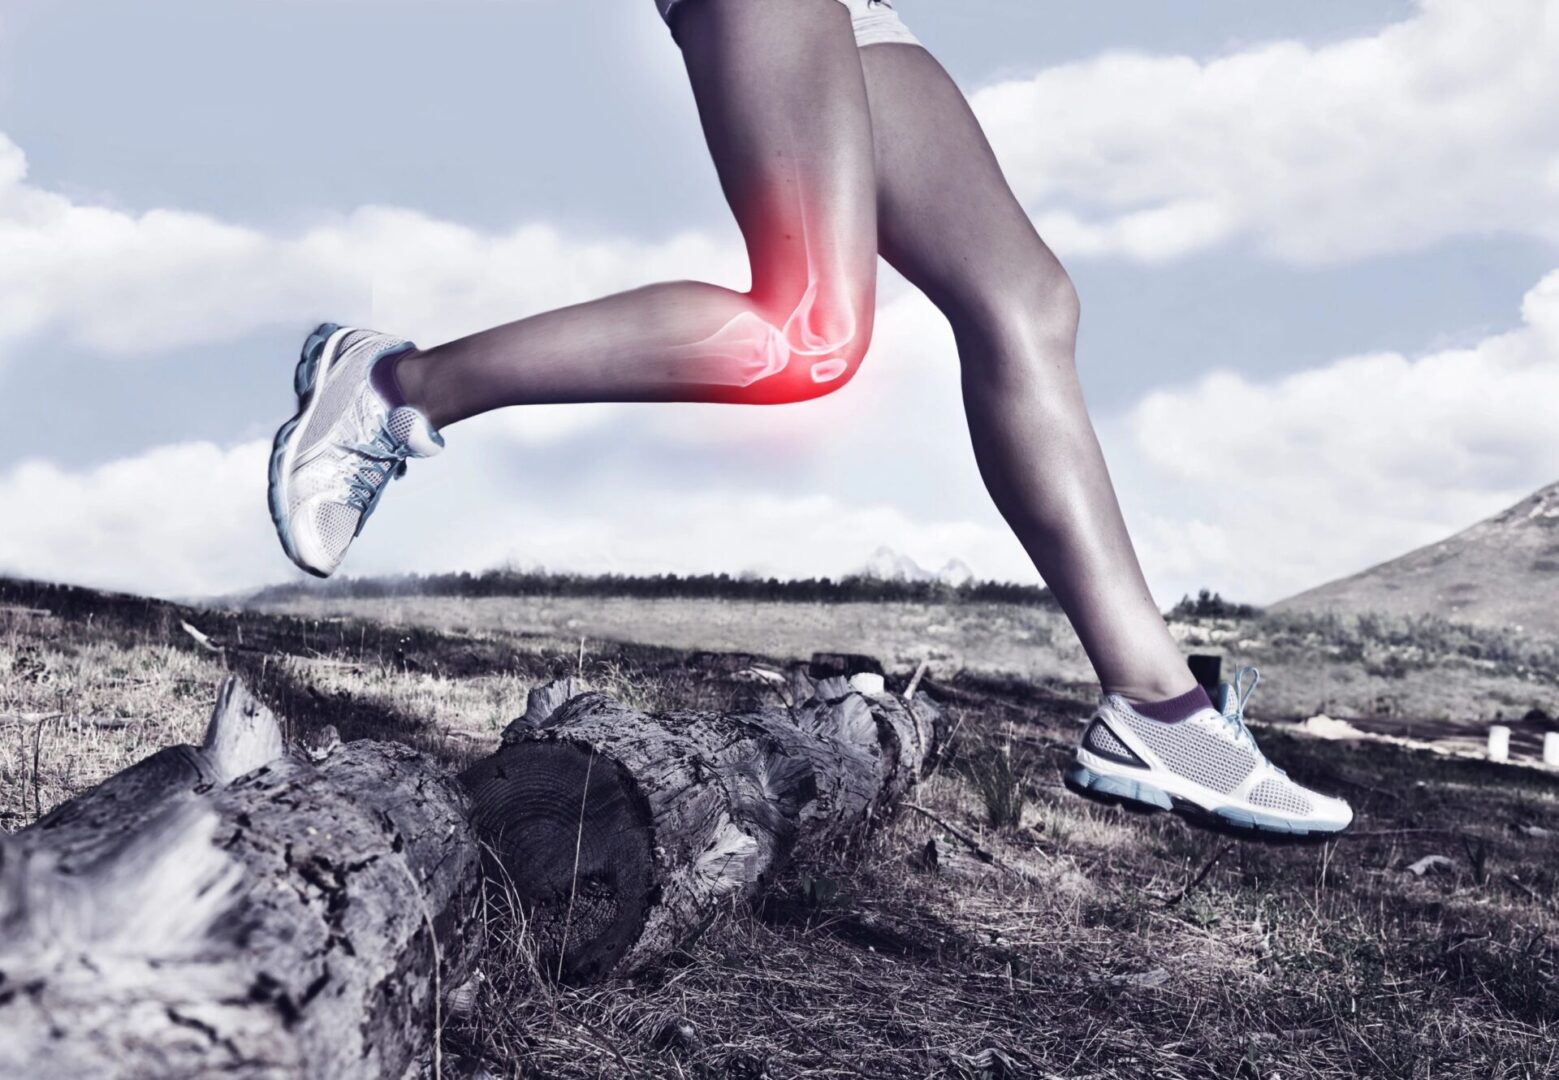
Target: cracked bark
x=622, y=835
x=237, y=909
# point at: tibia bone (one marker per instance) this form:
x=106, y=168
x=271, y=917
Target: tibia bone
x=740, y=353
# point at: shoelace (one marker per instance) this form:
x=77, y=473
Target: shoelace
x=1236, y=718
x=382, y=456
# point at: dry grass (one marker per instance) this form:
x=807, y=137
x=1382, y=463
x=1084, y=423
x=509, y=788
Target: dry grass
x=1099, y=944
x=1027, y=640
x=76, y=708
x=1399, y=671
x=1396, y=670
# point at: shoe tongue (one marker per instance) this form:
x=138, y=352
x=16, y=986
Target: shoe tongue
x=1224, y=699
x=412, y=430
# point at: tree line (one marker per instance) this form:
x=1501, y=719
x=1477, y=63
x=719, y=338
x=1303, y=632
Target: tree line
x=851, y=588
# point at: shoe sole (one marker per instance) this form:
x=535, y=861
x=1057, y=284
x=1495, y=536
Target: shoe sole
x=1142, y=797
x=319, y=349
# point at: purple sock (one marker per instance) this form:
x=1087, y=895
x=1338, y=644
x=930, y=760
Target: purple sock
x=382, y=377
x=1175, y=709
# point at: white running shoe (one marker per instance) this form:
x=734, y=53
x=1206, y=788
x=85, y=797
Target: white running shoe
x=332, y=461
x=1205, y=767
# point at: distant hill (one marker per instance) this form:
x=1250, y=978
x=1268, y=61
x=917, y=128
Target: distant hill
x=1503, y=571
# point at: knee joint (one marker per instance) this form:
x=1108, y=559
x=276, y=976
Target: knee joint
x=782, y=355
x=1019, y=325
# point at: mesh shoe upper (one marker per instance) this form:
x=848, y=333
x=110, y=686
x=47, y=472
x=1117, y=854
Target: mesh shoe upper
x=335, y=525
x=1195, y=749
x=1212, y=749
x=350, y=445
x=1276, y=794
x=346, y=380
x=1101, y=739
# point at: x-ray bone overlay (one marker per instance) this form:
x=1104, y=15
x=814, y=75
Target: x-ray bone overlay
x=749, y=348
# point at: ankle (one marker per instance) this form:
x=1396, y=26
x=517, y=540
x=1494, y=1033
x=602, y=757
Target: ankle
x=1172, y=710
x=1160, y=688
x=408, y=374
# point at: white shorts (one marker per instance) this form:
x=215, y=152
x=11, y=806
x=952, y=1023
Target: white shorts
x=875, y=21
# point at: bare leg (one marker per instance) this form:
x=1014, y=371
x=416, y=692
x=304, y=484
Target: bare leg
x=783, y=105
x=948, y=221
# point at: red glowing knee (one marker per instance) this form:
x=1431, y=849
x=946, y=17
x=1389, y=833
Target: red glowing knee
x=827, y=371
x=744, y=351
x=780, y=350
x=749, y=349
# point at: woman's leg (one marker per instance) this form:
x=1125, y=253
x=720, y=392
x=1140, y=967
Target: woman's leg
x=948, y=221
x=783, y=106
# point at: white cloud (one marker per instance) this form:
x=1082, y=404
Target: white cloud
x=1438, y=126
x=182, y=519
x=1258, y=488
x=135, y=283
x=1301, y=479
x=190, y=519
x=1266, y=488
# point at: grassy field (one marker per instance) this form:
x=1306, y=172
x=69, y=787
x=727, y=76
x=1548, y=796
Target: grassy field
x=1099, y=944
x=1395, y=673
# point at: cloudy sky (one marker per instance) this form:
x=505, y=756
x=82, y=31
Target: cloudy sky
x=1316, y=246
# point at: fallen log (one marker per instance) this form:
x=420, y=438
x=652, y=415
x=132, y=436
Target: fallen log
x=621, y=835
x=236, y=909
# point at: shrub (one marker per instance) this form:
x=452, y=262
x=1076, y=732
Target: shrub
x=1001, y=789
x=1427, y=639
x=1210, y=605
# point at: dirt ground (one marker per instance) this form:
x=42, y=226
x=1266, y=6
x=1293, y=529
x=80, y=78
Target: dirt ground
x=1097, y=944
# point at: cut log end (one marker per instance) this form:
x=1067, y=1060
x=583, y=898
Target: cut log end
x=620, y=835
x=569, y=839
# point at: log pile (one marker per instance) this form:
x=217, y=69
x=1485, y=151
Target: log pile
x=622, y=834
x=248, y=909
x=237, y=909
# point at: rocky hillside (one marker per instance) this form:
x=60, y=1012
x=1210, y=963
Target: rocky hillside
x=1503, y=571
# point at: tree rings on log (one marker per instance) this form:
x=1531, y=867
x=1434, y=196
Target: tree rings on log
x=621, y=835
